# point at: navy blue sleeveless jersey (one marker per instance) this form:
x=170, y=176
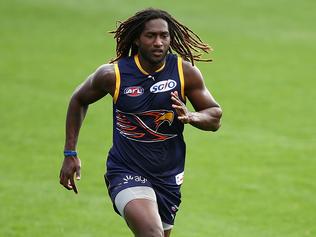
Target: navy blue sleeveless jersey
x=147, y=136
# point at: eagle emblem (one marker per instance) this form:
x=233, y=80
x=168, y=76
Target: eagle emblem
x=144, y=127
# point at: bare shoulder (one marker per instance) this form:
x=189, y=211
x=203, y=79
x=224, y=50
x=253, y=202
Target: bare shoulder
x=195, y=88
x=104, y=78
x=192, y=76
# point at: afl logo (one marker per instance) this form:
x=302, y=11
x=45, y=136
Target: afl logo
x=134, y=91
x=163, y=86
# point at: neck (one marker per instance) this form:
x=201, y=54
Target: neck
x=148, y=67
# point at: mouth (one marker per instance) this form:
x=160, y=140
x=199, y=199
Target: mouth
x=157, y=52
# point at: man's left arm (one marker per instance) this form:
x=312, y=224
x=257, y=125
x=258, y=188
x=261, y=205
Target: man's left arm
x=207, y=113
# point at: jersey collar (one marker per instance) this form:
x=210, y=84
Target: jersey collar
x=136, y=59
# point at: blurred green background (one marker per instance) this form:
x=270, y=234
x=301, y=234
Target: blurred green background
x=255, y=177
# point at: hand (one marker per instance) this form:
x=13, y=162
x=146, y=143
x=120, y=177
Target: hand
x=184, y=115
x=70, y=167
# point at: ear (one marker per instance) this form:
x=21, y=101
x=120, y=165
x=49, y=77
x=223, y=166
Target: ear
x=136, y=42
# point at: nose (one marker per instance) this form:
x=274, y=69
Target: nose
x=158, y=41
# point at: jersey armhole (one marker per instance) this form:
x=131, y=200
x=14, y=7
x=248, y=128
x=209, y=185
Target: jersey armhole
x=117, y=83
x=181, y=76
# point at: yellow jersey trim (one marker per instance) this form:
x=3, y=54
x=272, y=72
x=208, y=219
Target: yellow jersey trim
x=136, y=59
x=162, y=67
x=181, y=75
x=117, y=82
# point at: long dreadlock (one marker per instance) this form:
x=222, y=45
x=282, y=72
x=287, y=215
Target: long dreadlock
x=183, y=40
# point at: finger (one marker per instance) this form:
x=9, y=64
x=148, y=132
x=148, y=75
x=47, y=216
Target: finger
x=66, y=185
x=175, y=93
x=78, y=173
x=179, y=110
x=176, y=101
x=77, y=169
x=174, y=98
x=63, y=180
x=183, y=119
x=178, y=107
x=73, y=185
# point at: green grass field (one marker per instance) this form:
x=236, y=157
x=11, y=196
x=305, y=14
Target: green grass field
x=253, y=178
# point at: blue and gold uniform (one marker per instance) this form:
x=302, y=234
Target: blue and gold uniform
x=148, y=147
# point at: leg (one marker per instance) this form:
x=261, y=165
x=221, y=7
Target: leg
x=167, y=233
x=143, y=218
x=138, y=205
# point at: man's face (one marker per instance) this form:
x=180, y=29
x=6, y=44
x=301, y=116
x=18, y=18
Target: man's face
x=154, y=41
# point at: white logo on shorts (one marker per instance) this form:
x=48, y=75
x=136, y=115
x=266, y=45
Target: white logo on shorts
x=127, y=178
x=136, y=178
x=179, y=178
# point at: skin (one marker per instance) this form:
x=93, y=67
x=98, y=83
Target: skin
x=141, y=215
x=143, y=218
x=153, y=45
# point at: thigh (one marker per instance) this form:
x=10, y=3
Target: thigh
x=143, y=218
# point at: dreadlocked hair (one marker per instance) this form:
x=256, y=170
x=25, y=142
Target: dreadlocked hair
x=182, y=40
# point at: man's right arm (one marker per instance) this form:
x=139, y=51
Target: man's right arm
x=97, y=85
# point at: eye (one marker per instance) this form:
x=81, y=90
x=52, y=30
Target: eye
x=165, y=35
x=150, y=35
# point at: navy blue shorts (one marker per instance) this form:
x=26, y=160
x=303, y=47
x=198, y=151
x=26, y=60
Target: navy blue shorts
x=168, y=196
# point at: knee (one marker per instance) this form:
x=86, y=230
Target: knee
x=151, y=230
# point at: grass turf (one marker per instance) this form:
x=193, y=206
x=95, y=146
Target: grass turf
x=254, y=177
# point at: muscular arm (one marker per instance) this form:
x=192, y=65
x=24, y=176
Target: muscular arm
x=207, y=113
x=97, y=85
